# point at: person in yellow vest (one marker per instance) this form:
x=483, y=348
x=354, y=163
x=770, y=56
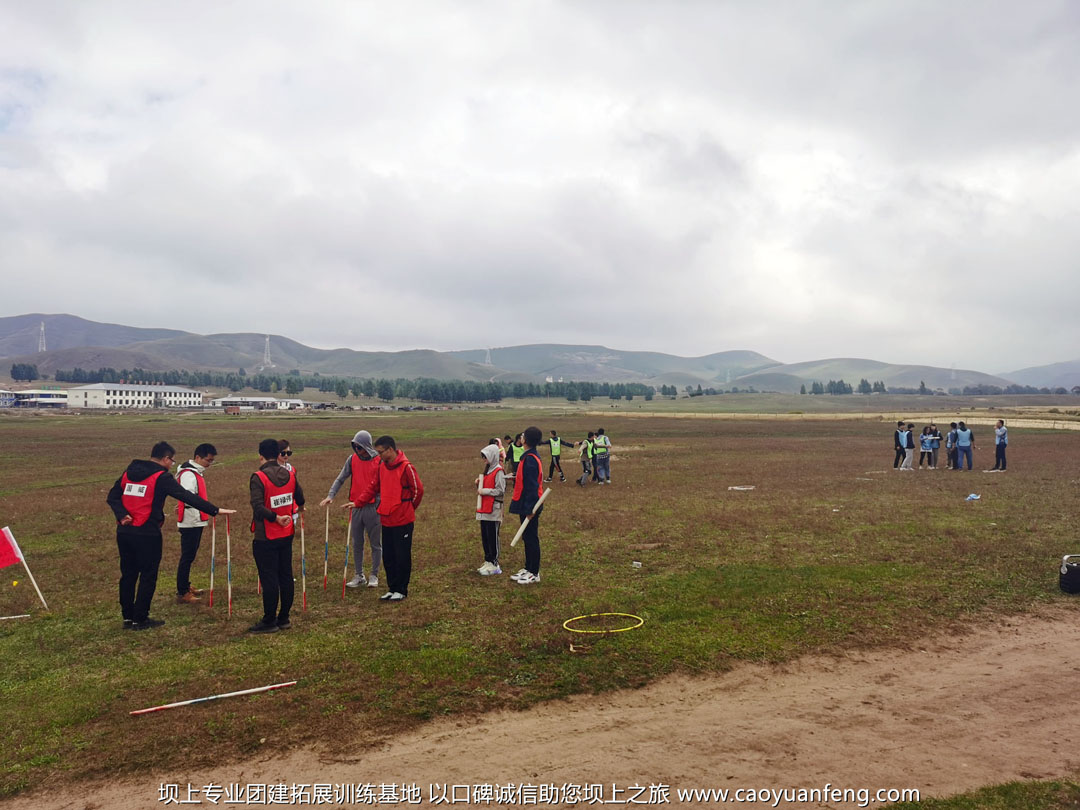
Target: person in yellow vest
x=586, y=456
x=555, y=444
x=602, y=457
x=275, y=494
x=517, y=450
x=490, y=492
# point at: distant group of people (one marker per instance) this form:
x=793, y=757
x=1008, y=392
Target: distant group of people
x=959, y=446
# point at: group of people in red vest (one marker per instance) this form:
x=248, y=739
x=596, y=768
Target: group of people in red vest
x=382, y=478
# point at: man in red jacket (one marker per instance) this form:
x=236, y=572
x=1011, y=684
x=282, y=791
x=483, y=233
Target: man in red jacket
x=400, y=492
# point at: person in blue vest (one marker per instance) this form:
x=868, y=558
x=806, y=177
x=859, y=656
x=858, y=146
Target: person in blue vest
x=898, y=445
x=528, y=487
x=950, y=446
x=1001, y=441
x=935, y=445
x=137, y=499
x=555, y=444
x=965, y=442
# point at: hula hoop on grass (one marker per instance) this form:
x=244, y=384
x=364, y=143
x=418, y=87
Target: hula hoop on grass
x=568, y=622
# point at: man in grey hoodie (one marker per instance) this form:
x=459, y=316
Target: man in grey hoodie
x=490, y=491
x=361, y=468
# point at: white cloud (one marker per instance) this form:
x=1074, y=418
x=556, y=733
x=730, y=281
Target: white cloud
x=894, y=180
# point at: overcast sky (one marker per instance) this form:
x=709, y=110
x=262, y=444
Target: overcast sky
x=893, y=180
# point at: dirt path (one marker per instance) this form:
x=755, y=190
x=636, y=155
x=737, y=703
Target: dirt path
x=945, y=716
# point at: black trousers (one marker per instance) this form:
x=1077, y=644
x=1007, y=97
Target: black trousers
x=899, y=457
x=531, y=539
x=140, y=556
x=999, y=456
x=555, y=465
x=273, y=558
x=489, y=537
x=397, y=557
x=189, y=547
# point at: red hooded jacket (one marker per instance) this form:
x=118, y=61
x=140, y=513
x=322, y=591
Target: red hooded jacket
x=400, y=491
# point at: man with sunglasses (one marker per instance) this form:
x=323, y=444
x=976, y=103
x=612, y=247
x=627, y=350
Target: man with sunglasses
x=362, y=470
x=138, y=502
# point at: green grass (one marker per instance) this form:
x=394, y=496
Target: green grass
x=766, y=575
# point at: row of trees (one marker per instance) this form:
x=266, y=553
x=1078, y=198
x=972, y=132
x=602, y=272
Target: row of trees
x=425, y=389
x=841, y=387
x=24, y=372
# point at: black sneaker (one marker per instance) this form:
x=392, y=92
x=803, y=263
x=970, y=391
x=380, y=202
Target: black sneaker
x=147, y=624
x=283, y=624
x=129, y=623
x=262, y=627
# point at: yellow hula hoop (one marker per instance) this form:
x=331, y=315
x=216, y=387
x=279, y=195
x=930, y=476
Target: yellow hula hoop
x=568, y=622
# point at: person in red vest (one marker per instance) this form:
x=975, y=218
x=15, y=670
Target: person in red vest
x=528, y=487
x=137, y=499
x=490, y=490
x=191, y=521
x=275, y=495
x=400, y=492
x=361, y=468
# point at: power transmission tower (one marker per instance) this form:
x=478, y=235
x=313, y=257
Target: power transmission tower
x=41, y=338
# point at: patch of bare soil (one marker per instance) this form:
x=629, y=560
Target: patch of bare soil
x=945, y=716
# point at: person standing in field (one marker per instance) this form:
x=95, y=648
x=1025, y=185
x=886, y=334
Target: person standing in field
x=1001, y=441
x=275, y=496
x=907, y=439
x=490, y=491
x=935, y=445
x=285, y=460
x=191, y=521
x=400, y=491
x=555, y=444
x=950, y=446
x=514, y=454
x=137, y=499
x=965, y=441
x=528, y=487
x=899, y=445
x=602, y=457
x=361, y=468
x=926, y=448
x=586, y=456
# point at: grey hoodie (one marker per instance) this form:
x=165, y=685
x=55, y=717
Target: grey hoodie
x=491, y=455
x=363, y=439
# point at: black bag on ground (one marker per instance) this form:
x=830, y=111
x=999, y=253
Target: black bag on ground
x=1069, y=578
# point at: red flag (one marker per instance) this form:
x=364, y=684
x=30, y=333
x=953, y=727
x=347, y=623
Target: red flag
x=10, y=553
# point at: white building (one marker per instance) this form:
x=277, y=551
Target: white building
x=258, y=403
x=129, y=395
x=7, y=399
x=41, y=398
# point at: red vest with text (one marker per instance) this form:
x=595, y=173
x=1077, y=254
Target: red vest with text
x=278, y=500
x=138, y=497
x=202, y=493
x=519, y=482
x=362, y=474
x=487, y=502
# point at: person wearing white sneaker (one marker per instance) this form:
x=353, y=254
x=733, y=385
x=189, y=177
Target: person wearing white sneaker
x=400, y=492
x=490, y=489
x=361, y=468
x=528, y=487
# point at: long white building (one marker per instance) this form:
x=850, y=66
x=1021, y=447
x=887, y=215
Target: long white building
x=128, y=395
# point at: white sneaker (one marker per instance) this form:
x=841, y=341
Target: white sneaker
x=386, y=597
x=485, y=568
x=373, y=582
x=517, y=576
x=396, y=597
x=528, y=579
x=491, y=570
x=356, y=581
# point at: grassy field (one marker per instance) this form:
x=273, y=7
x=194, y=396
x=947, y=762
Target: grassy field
x=830, y=550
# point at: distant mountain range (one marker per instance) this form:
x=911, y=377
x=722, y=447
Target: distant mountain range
x=74, y=341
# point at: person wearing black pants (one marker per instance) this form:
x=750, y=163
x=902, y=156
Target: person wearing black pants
x=528, y=487
x=1001, y=441
x=190, y=521
x=137, y=499
x=275, y=496
x=400, y=491
x=899, y=446
x=556, y=445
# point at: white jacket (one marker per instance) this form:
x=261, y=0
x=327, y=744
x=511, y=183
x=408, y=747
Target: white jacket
x=185, y=476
